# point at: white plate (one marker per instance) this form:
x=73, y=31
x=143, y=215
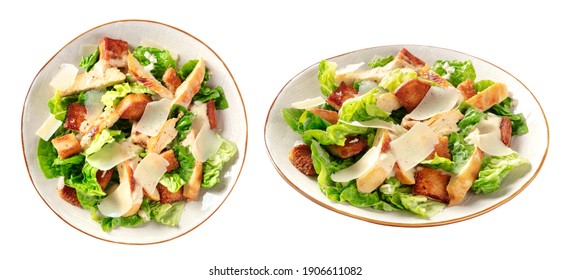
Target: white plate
x=280, y=138
x=187, y=47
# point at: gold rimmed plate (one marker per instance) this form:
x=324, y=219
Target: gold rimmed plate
x=280, y=138
x=232, y=125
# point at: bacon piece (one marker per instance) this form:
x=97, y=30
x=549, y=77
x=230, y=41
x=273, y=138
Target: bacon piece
x=211, y=113
x=75, y=116
x=506, y=127
x=342, y=93
x=113, y=52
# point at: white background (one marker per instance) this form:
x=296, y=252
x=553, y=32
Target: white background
x=265, y=222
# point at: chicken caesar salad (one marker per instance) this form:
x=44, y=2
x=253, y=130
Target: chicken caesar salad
x=395, y=134
x=132, y=136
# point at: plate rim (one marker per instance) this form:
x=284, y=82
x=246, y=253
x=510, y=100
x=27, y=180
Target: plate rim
x=400, y=224
x=242, y=155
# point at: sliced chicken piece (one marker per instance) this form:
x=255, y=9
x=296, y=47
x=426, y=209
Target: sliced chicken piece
x=342, y=93
x=171, y=79
x=126, y=176
x=411, y=61
x=387, y=102
x=113, y=52
x=374, y=177
x=166, y=134
x=75, y=116
x=432, y=76
x=192, y=188
x=489, y=96
x=431, y=183
x=96, y=78
x=191, y=85
x=104, y=120
x=352, y=146
x=446, y=122
x=460, y=183
x=146, y=78
x=300, y=157
x=406, y=177
x=467, y=89
x=66, y=145
x=411, y=92
x=327, y=115
x=132, y=106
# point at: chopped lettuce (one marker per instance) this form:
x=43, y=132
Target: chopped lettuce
x=460, y=150
x=160, y=60
x=112, y=97
x=58, y=104
x=471, y=117
x=106, y=136
x=217, y=94
x=327, y=72
x=85, y=181
x=455, y=71
x=363, y=108
x=396, y=77
x=175, y=179
x=164, y=213
x=380, y=61
x=442, y=163
x=518, y=121
x=494, y=169
x=334, y=134
x=184, y=124
x=88, y=61
x=301, y=120
x=214, y=165
x=187, y=68
x=482, y=85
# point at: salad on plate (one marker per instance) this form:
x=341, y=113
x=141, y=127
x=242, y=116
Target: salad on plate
x=396, y=134
x=132, y=135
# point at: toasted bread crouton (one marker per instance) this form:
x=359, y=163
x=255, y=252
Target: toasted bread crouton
x=169, y=197
x=191, y=85
x=441, y=149
x=95, y=79
x=169, y=156
x=431, y=183
x=171, y=79
x=409, y=58
x=411, y=92
x=467, y=89
x=300, y=157
x=327, y=115
x=132, y=106
x=387, y=102
x=211, y=114
x=444, y=123
x=146, y=78
x=192, y=188
x=352, y=146
x=342, y=93
x=432, y=76
x=75, y=116
x=66, y=145
x=113, y=52
x=103, y=177
x=460, y=183
x=506, y=127
x=490, y=96
x=69, y=195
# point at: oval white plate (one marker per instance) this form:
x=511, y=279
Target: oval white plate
x=187, y=47
x=279, y=139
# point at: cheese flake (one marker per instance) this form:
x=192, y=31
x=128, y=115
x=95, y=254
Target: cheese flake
x=48, y=128
x=154, y=116
x=437, y=100
x=359, y=168
x=308, y=103
x=414, y=146
x=149, y=171
x=112, y=154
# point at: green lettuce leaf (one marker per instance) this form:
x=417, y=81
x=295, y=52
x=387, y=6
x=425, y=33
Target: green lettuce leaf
x=160, y=59
x=88, y=61
x=327, y=72
x=363, y=108
x=396, y=77
x=471, y=117
x=112, y=97
x=58, y=104
x=325, y=165
x=518, y=121
x=85, y=181
x=494, y=169
x=460, y=150
x=184, y=124
x=109, y=223
x=402, y=198
x=106, y=136
x=214, y=165
x=380, y=61
x=164, y=213
x=441, y=163
x=334, y=134
x=482, y=85
x=176, y=178
x=455, y=71
x=217, y=94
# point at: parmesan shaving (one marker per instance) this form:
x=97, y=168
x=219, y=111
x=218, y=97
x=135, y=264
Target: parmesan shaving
x=207, y=143
x=118, y=201
x=112, y=154
x=359, y=168
x=65, y=77
x=154, y=116
x=309, y=103
x=149, y=171
x=414, y=146
x=437, y=100
x=48, y=128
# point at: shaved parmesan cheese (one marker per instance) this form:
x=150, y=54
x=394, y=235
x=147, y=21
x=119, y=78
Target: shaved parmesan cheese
x=65, y=77
x=437, y=100
x=359, y=168
x=152, y=44
x=154, y=117
x=487, y=137
x=118, y=201
x=207, y=143
x=366, y=86
x=201, y=116
x=386, y=161
x=93, y=104
x=49, y=127
x=414, y=146
x=309, y=103
x=376, y=123
x=111, y=155
x=149, y=171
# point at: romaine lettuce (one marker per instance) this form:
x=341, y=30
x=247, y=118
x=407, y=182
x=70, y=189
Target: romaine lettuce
x=214, y=165
x=380, y=61
x=494, y=169
x=160, y=60
x=455, y=71
x=396, y=77
x=334, y=134
x=518, y=121
x=327, y=72
x=363, y=108
x=88, y=61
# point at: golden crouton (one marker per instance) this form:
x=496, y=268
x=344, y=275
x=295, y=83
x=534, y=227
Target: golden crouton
x=300, y=157
x=75, y=116
x=66, y=145
x=171, y=158
x=342, y=93
x=460, y=183
x=489, y=96
x=506, y=127
x=431, y=183
x=113, y=52
x=467, y=89
x=69, y=195
x=169, y=197
x=211, y=113
x=132, y=106
x=352, y=146
x=411, y=93
x=171, y=79
x=327, y=115
x=103, y=177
